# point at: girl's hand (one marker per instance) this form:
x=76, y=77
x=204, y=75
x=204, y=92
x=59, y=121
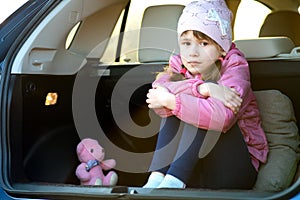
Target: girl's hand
x=229, y=96
x=160, y=97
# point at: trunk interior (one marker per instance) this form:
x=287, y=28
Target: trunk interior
x=45, y=149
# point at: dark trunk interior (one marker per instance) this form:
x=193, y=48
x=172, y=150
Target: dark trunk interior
x=45, y=137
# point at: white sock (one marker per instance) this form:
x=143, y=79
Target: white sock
x=154, y=180
x=171, y=182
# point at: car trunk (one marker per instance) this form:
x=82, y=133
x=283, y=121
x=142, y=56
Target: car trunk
x=43, y=138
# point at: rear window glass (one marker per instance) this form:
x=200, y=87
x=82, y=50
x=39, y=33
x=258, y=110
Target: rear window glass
x=247, y=24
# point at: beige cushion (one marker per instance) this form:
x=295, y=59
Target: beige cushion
x=279, y=124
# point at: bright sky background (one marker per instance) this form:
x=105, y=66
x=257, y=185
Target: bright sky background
x=8, y=7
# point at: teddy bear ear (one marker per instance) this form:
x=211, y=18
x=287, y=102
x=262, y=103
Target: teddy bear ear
x=82, y=143
x=79, y=147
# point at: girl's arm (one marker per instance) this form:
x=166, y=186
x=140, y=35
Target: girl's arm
x=204, y=113
x=188, y=86
x=209, y=114
x=230, y=90
x=229, y=96
x=236, y=75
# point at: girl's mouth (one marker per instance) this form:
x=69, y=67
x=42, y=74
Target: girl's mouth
x=193, y=63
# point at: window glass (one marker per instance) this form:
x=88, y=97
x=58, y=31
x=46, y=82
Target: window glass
x=71, y=35
x=249, y=19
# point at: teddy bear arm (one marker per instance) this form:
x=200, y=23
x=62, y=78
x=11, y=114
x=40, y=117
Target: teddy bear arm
x=108, y=164
x=82, y=174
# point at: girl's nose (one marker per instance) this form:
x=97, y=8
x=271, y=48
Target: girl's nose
x=194, y=51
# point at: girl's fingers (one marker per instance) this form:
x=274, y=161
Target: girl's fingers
x=232, y=99
x=233, y=105
x=236, y=95
x=234, y=90
x=151, y=99
x=235, y=98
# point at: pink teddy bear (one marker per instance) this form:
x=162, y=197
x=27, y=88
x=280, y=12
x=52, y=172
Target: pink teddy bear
x=90, y=171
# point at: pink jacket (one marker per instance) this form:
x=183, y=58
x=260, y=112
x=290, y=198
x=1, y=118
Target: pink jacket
x=211, y=114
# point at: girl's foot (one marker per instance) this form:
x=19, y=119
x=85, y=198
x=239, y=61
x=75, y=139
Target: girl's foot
x=154, y=180
x=171, y=182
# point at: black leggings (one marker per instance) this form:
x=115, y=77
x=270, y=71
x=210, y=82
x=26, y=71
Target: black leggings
x=227, y=166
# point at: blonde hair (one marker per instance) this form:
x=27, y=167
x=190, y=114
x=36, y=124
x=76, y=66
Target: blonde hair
x=213, y=75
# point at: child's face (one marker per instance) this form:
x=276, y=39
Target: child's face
x=198, y=56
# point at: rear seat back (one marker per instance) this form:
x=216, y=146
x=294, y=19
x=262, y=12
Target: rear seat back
x=282, y=23
x=158, y=36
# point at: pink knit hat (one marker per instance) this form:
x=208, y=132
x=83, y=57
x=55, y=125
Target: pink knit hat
x=211, y=17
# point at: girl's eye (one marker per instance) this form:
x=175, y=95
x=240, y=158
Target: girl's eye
x=203, y=44
x=186, y=43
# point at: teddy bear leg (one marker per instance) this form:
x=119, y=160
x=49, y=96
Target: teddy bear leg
x=111, y=178
x=98, y=181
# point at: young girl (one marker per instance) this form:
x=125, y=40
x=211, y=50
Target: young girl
x=204, y=93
